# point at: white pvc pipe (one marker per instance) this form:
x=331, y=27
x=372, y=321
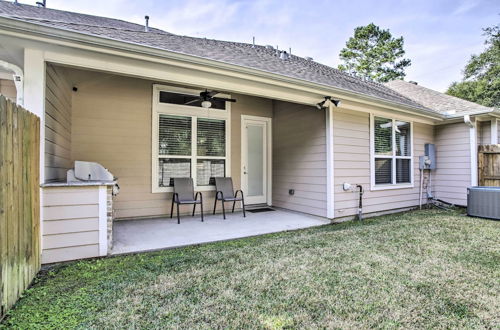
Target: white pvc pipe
x=18, y=76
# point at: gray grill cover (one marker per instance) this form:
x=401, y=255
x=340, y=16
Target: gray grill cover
x=89, y=171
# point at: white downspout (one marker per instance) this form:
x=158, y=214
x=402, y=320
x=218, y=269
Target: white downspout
x=18, y=79
x=473, y=149
x=330, y=170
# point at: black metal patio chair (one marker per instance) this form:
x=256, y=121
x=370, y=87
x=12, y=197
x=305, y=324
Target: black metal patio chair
x=225, y=193
x=184, y=195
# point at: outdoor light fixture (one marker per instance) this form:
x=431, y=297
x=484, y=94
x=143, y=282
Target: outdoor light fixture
x=325, y=103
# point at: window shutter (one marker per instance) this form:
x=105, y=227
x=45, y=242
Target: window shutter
x=211, y=137
x=383, y=136
x=174, y=135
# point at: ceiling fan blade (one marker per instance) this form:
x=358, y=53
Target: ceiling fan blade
x=192, y=101
x=224, y=99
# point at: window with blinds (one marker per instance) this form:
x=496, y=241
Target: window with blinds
x=211, y=144
x=211, y=137
x=174, y=135
x=190, y=146
x=392, y=154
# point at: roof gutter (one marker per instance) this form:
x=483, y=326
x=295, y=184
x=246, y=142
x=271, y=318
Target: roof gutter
x=82, y=39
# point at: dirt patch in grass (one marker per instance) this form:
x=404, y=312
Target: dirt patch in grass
x=419, y=269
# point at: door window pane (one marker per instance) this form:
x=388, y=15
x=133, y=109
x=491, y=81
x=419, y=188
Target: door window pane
x=255, y=170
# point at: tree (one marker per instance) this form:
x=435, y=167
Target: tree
x=481, y=82
x=374, y=53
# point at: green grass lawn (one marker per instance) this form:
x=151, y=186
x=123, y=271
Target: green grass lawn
x=419, y=269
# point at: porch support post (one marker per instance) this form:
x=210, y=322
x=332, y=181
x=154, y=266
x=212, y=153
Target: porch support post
x=472, y=123
x=34, y=94
x=34, y=101
x=494, y=131
x=330, y=177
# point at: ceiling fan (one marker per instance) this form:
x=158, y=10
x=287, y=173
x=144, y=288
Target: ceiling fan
x=207, y=98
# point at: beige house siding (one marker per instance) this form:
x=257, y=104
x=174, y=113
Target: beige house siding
x=452, y=176
x=352, y=164
x=112, y=126
x=57, y=124
x=299, y=158
x=70, y=223
x=498, y=128
x=484, y=133
x=8, y=89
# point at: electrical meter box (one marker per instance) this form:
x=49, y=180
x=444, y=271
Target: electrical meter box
x=428, y=162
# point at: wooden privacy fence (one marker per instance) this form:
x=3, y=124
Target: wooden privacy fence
x=489, y=165
x=19, y=201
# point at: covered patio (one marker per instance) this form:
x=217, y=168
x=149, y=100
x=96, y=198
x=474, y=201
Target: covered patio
x=147, y=132
x=161, y=233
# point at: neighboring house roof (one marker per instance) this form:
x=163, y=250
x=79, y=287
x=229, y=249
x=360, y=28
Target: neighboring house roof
x=448, y=105
x=240, y=54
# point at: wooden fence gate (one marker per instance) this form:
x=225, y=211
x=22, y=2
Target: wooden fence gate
x=489, y=165
x=19, y=201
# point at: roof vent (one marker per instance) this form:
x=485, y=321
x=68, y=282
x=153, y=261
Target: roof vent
x=451, y=112
x=413, y=82
x=308, y=58
x=269, y=47
x=146, y=27
x=41, y=4
x=284, y=56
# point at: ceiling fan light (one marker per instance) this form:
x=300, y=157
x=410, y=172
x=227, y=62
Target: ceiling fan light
x=206, y=104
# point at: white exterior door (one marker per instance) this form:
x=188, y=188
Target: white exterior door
x=255, y=159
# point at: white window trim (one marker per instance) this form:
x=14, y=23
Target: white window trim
x=186, y=111
x=394, y=185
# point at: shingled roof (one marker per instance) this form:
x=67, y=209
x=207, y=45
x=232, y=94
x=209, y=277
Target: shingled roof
x=240, y=54
x=448, y=105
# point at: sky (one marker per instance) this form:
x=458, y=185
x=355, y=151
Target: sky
x=440, y=35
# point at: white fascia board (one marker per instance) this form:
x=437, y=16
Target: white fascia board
x=51, y=35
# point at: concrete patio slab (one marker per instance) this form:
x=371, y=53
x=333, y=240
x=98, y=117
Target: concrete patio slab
x=152, y=234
